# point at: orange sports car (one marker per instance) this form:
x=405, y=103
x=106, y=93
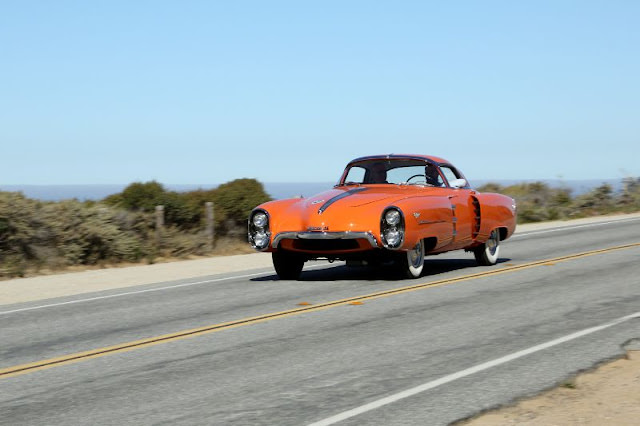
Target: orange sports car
x=385, y=210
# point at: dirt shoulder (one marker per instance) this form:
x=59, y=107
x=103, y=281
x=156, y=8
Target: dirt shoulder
x=608, y=395
x=21, y=290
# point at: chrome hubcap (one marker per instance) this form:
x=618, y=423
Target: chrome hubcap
x=415, y=255
x=492, y=243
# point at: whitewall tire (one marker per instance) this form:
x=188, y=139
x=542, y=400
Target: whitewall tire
x=487, y=253
x=412, y=262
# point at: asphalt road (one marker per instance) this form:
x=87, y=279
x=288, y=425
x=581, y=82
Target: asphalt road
x=431, y=355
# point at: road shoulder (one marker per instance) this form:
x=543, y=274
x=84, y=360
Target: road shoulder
x=610, y=394
x=22, y=290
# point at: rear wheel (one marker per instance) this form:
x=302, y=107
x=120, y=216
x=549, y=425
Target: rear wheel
x=412, y=262
x=487, y=253
x=287, y=265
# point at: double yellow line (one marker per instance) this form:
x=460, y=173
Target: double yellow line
x=165, y=338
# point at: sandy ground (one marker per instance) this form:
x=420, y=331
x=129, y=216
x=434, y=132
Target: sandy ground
x=609, y=395
x=68, y=284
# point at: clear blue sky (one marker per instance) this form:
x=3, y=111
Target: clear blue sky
x=209, y=91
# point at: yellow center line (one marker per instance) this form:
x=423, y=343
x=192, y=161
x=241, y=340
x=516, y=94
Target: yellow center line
x=165, y=338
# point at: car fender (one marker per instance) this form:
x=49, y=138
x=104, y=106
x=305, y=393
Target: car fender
x=497, y=212
x=427, y=217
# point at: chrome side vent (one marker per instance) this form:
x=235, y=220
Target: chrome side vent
x=477, y=217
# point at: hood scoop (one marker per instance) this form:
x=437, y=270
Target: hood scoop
x=339, y=197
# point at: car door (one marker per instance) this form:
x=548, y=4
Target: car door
x=462, y=207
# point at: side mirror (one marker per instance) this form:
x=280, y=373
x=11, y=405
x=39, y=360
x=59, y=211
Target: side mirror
x=458, y=183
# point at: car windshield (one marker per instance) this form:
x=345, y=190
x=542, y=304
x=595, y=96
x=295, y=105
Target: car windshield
x=394, y=172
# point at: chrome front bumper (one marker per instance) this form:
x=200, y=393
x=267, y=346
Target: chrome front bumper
x=325, y=236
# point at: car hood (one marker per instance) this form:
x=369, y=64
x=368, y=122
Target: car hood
x=352, y=208
x=345, y=197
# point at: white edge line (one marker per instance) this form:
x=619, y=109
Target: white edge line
x=129, y=293
x=467, y=372
x=564, y=228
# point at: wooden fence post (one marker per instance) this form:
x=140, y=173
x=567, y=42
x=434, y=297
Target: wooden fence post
x=159, y=224
x=210, y=230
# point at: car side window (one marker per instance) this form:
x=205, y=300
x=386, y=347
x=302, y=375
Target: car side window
x=410, y=174
x=449, y=173
x=433, y=178
x=355, y=175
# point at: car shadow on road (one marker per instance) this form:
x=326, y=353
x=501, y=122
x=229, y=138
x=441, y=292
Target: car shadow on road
x=432, y=267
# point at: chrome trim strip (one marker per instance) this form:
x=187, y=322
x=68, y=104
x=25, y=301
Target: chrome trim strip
x=339, y=197
x=325, y=236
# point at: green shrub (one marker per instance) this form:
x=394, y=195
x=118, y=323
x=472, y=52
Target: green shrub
x=37, y=234
x=19, y=225
x=195, y=203
x=233, y=202
x=598, y=201
x=237, y=198
x=536, y=201
x=138, y=196
x=144, y=197
x=539, y=202
x=88, y=235
x=629, y=200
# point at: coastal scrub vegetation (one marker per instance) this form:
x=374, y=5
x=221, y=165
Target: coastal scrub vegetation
x=43, y=235
x=538, y=202
x=37, y=236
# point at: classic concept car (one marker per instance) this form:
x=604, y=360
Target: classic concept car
x=385, y=210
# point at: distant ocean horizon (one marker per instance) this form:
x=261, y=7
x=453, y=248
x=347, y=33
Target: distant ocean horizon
x=277, y=190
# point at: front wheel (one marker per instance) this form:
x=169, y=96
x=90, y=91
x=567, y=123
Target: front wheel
x=487, y=253
x=412, y=262
x=288, y=266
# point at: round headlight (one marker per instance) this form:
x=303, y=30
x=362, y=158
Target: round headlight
x=260, y=220
x=393, y=237
x=392, y=217
x=261, y=240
